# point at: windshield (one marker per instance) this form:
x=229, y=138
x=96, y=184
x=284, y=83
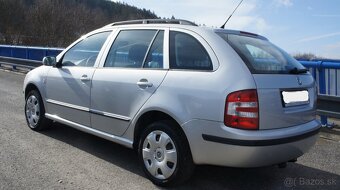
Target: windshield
x=261, y=56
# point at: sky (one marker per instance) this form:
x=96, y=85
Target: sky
x=297, y=26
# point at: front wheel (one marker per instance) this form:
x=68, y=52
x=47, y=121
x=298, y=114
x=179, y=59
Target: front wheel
x=35, y=111
x=165, y=154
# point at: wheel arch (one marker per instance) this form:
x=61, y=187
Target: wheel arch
x=150, y=117
x=29, y=87
x=32, y=86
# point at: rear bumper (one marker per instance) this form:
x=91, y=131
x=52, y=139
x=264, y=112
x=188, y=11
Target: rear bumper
x=213, y=143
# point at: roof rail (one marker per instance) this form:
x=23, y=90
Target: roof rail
x=153, y=21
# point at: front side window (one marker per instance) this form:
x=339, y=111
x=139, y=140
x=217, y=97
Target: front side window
x=86, y=51
x=186, y=52
x=137, y=49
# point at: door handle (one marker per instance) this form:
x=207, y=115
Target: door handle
x=144, y=83
x=85, y=78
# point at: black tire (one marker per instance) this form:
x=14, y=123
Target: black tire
x=42, y=122
x=184, y=167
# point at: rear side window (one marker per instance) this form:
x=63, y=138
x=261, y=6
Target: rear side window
x=86, y=51
x=137, y=49
x=186, y=52
x=154, y=58
x=260, y=55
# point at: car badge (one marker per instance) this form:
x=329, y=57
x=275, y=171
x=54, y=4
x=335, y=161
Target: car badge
x=299, y=80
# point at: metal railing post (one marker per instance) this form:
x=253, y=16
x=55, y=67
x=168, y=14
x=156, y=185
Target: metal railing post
x=322, y=90
x=11, y=51
x=26, y=53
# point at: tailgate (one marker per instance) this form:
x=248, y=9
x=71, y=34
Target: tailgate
x=285, y=100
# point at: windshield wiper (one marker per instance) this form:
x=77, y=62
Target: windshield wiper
x=297, y=71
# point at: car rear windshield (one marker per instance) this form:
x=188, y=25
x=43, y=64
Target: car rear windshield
x=261, y=56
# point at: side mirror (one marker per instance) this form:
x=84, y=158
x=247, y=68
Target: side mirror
x=49, y=61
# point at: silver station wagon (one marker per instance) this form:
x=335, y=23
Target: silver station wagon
x=180, y=95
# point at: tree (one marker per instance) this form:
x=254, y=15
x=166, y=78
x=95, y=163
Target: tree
x=306, y=56
x=12, y=20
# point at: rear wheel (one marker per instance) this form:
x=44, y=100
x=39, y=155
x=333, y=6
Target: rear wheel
x=35, y=112
x=165, y=154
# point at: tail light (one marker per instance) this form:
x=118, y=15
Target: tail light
x=242, y=110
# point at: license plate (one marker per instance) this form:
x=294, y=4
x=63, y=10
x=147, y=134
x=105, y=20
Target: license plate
x=293, y=98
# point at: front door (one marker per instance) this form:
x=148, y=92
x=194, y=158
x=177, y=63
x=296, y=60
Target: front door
x=68, y=88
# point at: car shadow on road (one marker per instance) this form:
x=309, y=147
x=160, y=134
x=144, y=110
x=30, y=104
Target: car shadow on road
x=295, y=176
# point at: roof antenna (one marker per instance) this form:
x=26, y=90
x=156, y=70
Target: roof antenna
x=231, y=14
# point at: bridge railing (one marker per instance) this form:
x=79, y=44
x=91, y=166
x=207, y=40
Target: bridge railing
x=325, y=72
x=327, y=76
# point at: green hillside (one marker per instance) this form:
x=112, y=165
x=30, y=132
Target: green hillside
x=59, y=22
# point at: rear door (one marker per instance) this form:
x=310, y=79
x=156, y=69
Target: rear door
x=286, y=91
x=130, y=74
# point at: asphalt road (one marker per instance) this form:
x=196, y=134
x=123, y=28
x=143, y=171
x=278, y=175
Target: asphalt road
x=64, y=158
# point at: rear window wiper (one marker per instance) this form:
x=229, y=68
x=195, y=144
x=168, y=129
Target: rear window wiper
x=297, y=71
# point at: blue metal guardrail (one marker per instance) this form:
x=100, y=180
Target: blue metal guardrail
x=26, y=52
x=325, y=72
x=327, y=76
